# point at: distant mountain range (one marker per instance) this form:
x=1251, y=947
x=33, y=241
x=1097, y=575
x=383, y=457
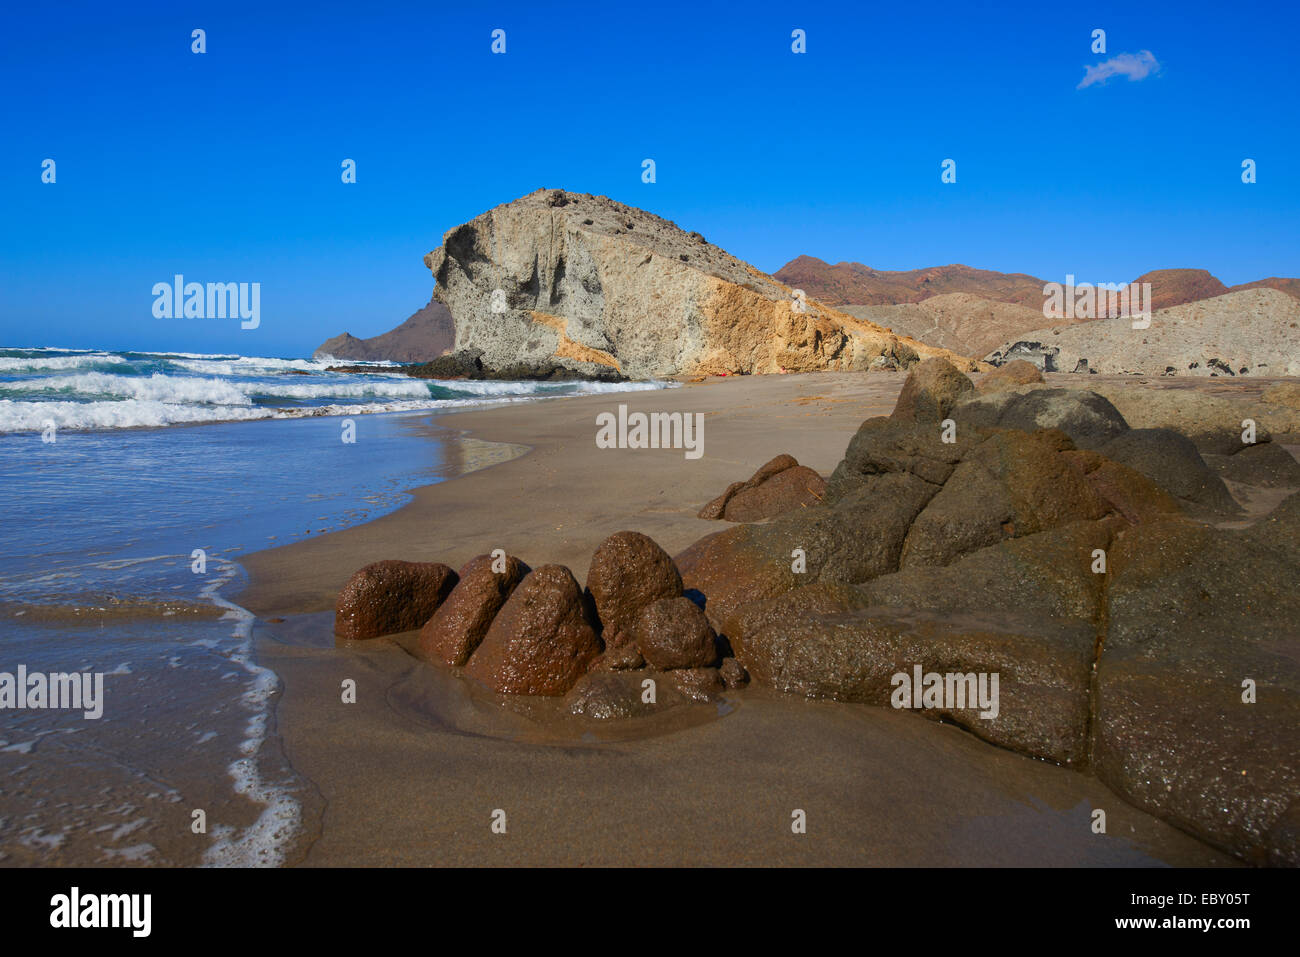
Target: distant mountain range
x=425, y=335
x=853, y=284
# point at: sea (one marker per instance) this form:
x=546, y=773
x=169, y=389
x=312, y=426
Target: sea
x=131, y=483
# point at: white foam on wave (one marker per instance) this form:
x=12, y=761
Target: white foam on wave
x=154, y=388
x=263, y=843
x=351, y=389
x=162, y=400
x=254, y=365
x=128, y=414
x=10, y=365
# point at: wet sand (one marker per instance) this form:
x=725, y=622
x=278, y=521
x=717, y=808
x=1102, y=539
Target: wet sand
x=412, y=773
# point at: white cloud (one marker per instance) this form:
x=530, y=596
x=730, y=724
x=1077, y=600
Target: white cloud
x=1135, y=66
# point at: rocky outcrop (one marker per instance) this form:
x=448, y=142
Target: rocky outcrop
x=426, y=334
x=459, y=624
x=543, y=639
x=778, y=486
x=930, y=392
x=389, y=597
x=1253, y=332
x=628, y=571
x=674, y=633
x=1089, y=419
x=592, y=284
x=1198, y=682
x=1014, y=374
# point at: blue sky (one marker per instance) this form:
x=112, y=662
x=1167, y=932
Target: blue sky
x=225, y=166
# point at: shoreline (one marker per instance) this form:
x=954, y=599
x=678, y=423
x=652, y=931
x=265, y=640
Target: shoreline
x=410, y=772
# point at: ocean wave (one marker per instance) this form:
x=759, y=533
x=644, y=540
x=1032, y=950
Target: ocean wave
x=254, y=365
x=122, y=414
x=12, y=365
x=135, y=413
x=155, y=388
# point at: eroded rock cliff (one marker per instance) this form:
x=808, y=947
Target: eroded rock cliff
x=597, y=285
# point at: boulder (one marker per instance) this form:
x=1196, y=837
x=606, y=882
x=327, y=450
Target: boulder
x=1089, y=419
x=1194, y=613
x=390, y=597
x=1263, y=465
x=456, y=628
x=1042, y=669
x=1011, y=484
x=698, y=684
x=733, y=674
x=1014, y=374
x=1172, y=462
x=623, y=657
x=674, y=633
x=1130, y=493
x=620, y=694
x=857, y=538
x=541, y=641
x=779, y=486
x=629, y=571
x=931, y=390
x=883, y=445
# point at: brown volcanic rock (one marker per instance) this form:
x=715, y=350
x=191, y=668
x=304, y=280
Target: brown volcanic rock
x=674, y=633
x=460, y=623
x=1012, y=484
x=931, y=391
x=619, y=694
x=1130, y=493
x=1264, y=465
x=1043, y=669
x=388, y=597
x=1193, y=613
x=541, y=641
x=779, y=486
x=1028, y=609
x=629, y=571
x=1014, y=374
x=1171, y=460
x=854, y=539
x=855, y=283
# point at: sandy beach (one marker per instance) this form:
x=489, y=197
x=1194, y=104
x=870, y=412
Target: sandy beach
x=413, y=772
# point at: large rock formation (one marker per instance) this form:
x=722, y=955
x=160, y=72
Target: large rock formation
x=1251, y=332
x=596, y=285
x=426, y=334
